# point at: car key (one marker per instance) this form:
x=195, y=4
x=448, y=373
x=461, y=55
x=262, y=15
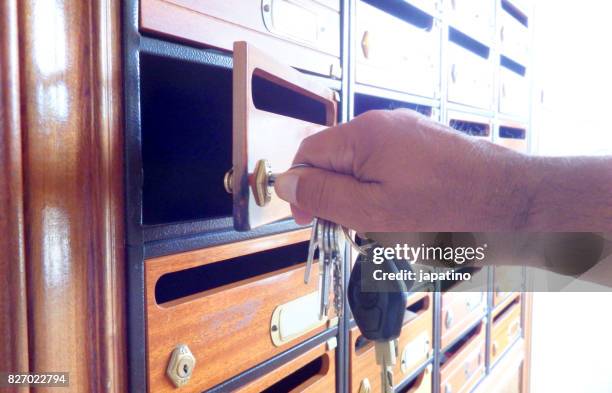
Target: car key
x=378, y=308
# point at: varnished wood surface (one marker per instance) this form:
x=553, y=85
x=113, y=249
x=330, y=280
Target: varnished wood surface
x=323, y=382
x=506, y=376
x=73, y=196
x=505, y=330
x=502, y=302
x=208, y=24
x=363, y=362
x=13, y=302
x=462, y=316
x=226, y=328
x=259, y=134
x=185, y=260
x=466, y=366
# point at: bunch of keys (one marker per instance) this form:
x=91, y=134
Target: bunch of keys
x=379, y=313
x=325, y=237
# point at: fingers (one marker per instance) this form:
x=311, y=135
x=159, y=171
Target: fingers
x=317, y=192
x=330, y=149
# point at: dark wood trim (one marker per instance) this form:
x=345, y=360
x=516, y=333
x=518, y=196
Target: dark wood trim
x=13, y=302
x=72, y=151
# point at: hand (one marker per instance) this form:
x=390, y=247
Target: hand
x=400, y=171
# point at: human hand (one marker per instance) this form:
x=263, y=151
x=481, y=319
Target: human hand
x=398, y=170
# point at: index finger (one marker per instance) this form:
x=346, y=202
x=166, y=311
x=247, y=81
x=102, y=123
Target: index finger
x=330, y=149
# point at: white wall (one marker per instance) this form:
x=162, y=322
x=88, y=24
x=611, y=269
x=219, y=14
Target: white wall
x=573, y=65
x=572, y=332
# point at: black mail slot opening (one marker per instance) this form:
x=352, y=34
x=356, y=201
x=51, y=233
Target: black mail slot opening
x=176, y=285
x=302, y=375
x=468, y=43
x=511, y=132
x=415, y=309
x=472, y=128
x=404, y=11
x=506, y=309
x=365, y=102
x=416, y=382
x=271, y=96
x=461, y=343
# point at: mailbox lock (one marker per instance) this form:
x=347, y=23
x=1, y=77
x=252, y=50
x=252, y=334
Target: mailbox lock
x=181, y=365
x=261, y=182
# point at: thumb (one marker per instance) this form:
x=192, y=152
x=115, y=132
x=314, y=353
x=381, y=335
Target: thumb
x=326, y=194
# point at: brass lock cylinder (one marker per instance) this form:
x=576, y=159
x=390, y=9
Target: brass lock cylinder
x=261, y=182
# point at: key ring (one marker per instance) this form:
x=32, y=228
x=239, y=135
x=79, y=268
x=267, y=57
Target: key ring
x=363, y=250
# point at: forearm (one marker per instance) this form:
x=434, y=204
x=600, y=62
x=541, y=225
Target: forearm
x=569, y=194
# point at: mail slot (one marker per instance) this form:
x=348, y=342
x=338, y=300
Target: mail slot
x=366, y=102
x=414, y=346
x=233, y=306
x=470, y=124
x=473, y=17
x=201, y=121
x=464, y=363
x=506, y=329
x=304, y=34
x=507, y=280
x=513, y=91
x=310, y=372
x=513, y=33
x=399, y=54
x=462, y=305
x=512, y=135
x=420, y=384
x=470, y=76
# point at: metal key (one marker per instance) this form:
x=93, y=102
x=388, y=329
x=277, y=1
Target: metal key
x=378, y=308
x=325, y=238
x=313, y=245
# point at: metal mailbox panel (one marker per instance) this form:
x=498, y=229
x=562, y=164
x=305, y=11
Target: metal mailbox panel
x=394, y=54
x=303, y=33
x=470, y=78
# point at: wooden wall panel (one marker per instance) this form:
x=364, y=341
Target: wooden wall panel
x=72, y=160
x=13, y=311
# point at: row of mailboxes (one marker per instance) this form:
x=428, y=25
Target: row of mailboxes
x=215, y=313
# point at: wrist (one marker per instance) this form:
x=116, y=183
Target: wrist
x=515, y=184
x=570, y=194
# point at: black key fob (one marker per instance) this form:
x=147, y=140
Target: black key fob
x=377, y=302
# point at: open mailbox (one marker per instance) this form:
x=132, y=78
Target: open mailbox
x=265, y=139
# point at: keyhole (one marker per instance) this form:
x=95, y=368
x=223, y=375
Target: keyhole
x=183, y=370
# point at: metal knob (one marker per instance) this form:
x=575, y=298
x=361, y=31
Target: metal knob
x=448, y=321
x=453, y=73
x=365, y=44
x=365, y=386
x=181, y=365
